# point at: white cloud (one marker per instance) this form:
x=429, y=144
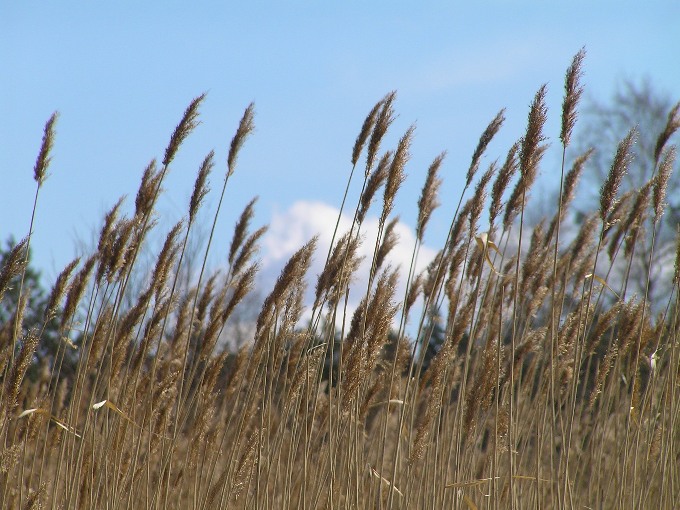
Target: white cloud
x=291, y=228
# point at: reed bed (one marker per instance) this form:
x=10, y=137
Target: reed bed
x=549, y=385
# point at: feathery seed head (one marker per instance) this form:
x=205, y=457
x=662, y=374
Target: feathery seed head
x=58, y=290
x=76, y=291
x=572, y=96
x=14, y=265
x=479, y=198
x=429, y=200
x=395, y=176
x=610, y=188
x=501, y=183
x=201, y=186
x=672, y=125
x=245, y=128
x=44, y=159
x=389, y=241
x=530, y=151
x=366, y=128
x=483, y=143
x=147, y=190
x=382, y=124
x=241, y=229
x=184, y=128
x=247, y=250
x=661, y=182
x=376, y=179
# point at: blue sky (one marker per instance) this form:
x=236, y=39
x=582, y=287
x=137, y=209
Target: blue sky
x=121, y=74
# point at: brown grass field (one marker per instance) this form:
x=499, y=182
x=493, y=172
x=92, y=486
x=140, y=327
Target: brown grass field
x=553, y=385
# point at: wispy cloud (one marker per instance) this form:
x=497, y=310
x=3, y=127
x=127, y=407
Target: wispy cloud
x=494, y=63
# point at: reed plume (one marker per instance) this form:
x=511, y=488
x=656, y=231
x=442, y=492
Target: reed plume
x=43, y=161
x=188, y=123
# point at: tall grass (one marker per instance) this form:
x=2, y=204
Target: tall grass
x=549, y=388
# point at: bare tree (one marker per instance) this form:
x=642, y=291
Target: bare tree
x=635, y=104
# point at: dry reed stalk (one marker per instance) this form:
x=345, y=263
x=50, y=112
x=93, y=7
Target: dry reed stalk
x=415, y=289
x=243, y=285
x=379, y=315
x=431, y=277
x=584, y=238
x=429, y=200
x=146, y=194
x=373, y=184
x=43, y=161
x=573, y=92
x=603, y=369
x=395, y=175
x=672, y=125
x=205, y=299
x=58, y=290
x=14, y=325
x=152, y=330
x=436, y=377
x=163, y=395
x=535, y=263
x=99, y=336
x=455, y=265
x=36, y=498
x=479, y=198
x=106, y=237
x=482, y=145
x=367, y=335
x=605, y=321
x=16, y=374
x=621, y=209
x=123, y=243
x=382, y=123
x=76, y=291
x=188, y=123
x=207, y=339
x=14, y=265
x=201, y=186
x=618, y=169
x=505, y=174
x=461, y=221
x=241, y=230
x=245, y=129
x=629, y=326
x=530, y=153
x=130, y=328
x=389, y=241
x=676, y=271
x=343, y=262
x=636, y=216
x=248, y=250
x=568, y=192
x=572, y=178
x=476, y=262
x=661, y=182
x=480, y=396
x=366, y=129
x=165, y=261
x=292, y=274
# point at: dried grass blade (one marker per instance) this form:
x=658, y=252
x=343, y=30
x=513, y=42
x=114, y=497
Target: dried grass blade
x=602, y=281
x=385, y=481
x=57, y=421
x=485, y=244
